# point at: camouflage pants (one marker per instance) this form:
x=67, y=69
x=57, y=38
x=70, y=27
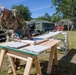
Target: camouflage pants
x=16, y=62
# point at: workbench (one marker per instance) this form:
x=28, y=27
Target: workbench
x=29, y=54
x=28, y=51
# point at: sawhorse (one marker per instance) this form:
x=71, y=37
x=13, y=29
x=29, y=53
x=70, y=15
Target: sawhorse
x=30, y=57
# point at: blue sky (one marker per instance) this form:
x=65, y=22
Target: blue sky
x=37, y=7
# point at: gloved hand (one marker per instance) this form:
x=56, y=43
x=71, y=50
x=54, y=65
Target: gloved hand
x=30, y=38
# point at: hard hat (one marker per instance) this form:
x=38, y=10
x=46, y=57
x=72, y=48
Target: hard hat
x=1, y=8
x=0, y=4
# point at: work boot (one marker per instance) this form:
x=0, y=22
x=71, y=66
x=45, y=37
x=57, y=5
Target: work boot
x=17, y=64
x=10, y=71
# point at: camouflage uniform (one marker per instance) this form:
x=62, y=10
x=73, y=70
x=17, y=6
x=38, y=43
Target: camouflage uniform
x=13, y=20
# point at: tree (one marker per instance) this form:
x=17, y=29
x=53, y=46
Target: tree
x=66, y=7
x=46, y=17
x=55, y=18
x=25, y=12
x=41, y=18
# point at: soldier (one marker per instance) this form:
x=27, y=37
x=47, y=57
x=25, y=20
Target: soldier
x=13, y=20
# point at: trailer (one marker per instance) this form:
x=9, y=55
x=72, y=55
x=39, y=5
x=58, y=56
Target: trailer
x=40, y=26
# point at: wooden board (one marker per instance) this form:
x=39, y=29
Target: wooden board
x=36, y=48
x=14, y=44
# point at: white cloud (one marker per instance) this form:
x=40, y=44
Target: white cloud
x=40, y=8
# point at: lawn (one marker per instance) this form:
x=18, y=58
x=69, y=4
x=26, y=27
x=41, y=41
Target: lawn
x=66, y=64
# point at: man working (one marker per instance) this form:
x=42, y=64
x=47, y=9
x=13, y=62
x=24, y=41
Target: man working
x=13, y=20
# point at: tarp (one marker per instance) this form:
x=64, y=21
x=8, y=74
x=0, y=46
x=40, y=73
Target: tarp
x=66, y=22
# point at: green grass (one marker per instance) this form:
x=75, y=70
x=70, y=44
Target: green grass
x=72, y=38
x=67, y=65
